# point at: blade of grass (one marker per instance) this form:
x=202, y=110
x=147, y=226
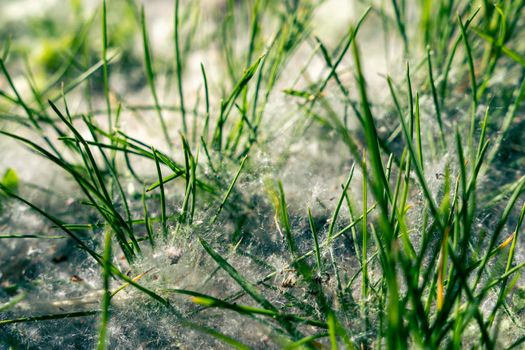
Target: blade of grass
x=151, y=79
x=178, y=64
x=316, y=241
x=229, y=190
x=106, y=299
x=245, y=285
x=162, y=195
x=105, y=63
x=435, y=99
x=340, y=203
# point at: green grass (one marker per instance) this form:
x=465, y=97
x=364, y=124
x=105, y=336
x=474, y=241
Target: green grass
x=420, y=246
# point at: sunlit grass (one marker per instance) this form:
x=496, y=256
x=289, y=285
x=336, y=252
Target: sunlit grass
x=410, y=254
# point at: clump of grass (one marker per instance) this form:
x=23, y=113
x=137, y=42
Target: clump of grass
x=404, y=256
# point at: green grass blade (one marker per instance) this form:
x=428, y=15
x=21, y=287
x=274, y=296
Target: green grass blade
x=248, y=287
x=105, y=63
x=178, y=63
x=339, y=203
x=162, y=194
x=151, y=78
x=435, y=99
x=316, y=241
x=230, y=188
x=106, y=299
